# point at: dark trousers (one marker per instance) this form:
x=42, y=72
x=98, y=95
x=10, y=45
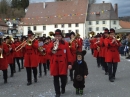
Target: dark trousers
x=63, y=79
x=104, y=64
x=92, y=51
x=48, y=64
x=5, y=74
x=22, y=62
x=14, y=65
x=18, y=63
x=98, y=61
x=11, y=69
x=71, y=74
x=112, y=67
x=29, y=73
x=40, y=68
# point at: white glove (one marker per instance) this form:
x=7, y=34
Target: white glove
x=10, y=49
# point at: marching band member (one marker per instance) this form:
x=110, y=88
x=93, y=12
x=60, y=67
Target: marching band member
x=22, y=52
x=60, y=62
x=80, y=43
x=73, y=44
x=42, y=56
x=17, y=54
x=112, y=55
x=10, y=55
x=92, y=44
x=3, y=58
x=30, y=57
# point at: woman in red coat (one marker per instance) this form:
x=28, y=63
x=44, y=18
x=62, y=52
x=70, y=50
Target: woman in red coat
x=112, y=55
x=73, y=44
x=42, y=57
x=10, y=55
x=3, y=58
x=60, y=61
x=31, y=58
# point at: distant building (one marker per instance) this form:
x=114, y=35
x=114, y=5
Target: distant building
x=3, y=27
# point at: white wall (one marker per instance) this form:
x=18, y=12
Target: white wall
x=101, y=25
x=49, y=28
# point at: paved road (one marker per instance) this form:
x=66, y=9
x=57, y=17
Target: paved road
x=97, y=84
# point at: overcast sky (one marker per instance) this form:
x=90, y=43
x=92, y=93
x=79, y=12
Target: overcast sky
x=123, y=5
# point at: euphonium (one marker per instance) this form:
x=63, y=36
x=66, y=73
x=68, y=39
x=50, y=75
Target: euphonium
x=56, y=45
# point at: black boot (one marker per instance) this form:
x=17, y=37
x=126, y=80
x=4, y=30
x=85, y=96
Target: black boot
x=35, y=80
x=5, y=81
x=57, y=95
x=63, y=90
x=40, y=75
x=77, y=91
x=29, y=83
x=12, y=75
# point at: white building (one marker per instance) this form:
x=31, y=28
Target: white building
x=68, y=16
x=105, y=16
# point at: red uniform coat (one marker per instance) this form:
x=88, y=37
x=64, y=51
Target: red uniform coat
x=80, y=44
x=91, y=43
x=3, y=61
x=31, y=55
x=18, y=53
x=48, y=56
x=112, y=53
x=59, y=61
x=73, y=49
x=10, y=55
x=102, y=48
x=96, y=52
x=42, y=58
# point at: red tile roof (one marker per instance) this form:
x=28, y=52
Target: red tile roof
x=125, y=24
x=56, y=13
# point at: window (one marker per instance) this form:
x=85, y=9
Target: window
x=62, y=25
x=77, y=25
x=69, y=31
x=44, y=27
x=77, y=31
x=69, y=25
x=90, y=23
x=103, y=28
x=34, y=28
x=63, y=31
x=29, y=28
x=90, y=29
x=114, y=22
x=97, y=28
x=103, y=22
x=56, y=26
x=97, y=22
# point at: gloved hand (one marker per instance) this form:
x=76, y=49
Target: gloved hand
x=40, y=44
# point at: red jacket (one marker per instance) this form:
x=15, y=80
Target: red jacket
x=18, y=53
x=42, y=58
x=3, y=61
x=96, y=52
x=80, y=44
x=112, y=53
x=10, y=55
x=31, y=55
x=73, y=49
x=59, y=61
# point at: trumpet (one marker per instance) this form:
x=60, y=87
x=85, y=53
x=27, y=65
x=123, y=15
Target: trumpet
x=23, y=44
x=56, y=45
x=42, y=50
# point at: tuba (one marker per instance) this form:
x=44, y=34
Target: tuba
x=56, y=45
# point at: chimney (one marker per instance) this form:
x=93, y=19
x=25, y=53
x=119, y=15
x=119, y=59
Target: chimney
x=44, y=5
x=116, y=9
x=103, y=1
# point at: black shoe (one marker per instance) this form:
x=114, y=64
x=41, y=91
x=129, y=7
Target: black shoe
x=71, y=78
x=45, y=74
x=106, y=73
x=77, y=91
x=57, y=95
x=63, y=91
x=14, y=71
x=35, y=80
x=40, y=75
x=29, y=83
x=111, y=80
x=5, y=81
x=19, y=70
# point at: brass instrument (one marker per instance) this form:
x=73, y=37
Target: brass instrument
x=56, y=45
x=1, y=53
x=23, y=44
x=91, y=34
x=42, y=50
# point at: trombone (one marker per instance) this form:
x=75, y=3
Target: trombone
x=23, y=44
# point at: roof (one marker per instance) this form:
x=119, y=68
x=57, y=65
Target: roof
x=2, y=23
x=57, y=12
x=108, y=14
x=124, y=24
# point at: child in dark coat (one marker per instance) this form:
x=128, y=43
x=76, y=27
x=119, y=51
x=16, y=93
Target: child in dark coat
x=80, y=72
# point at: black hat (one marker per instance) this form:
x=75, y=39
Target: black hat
x=67, y=35
x=106, y=31
x=58, y=32
x=72, y=33
x=7, y=37
x=82, y=53
x=30, y=33
x=48, y=38
x=112, y=30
